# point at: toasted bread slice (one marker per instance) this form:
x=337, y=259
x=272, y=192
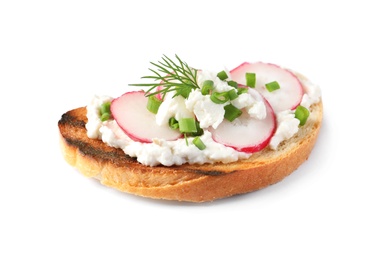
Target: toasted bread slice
x=194, y=183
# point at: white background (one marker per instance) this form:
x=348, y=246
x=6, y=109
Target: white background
x=55, y=55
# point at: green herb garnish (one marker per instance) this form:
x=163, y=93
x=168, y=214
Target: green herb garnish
x=231, y=112
x=199, y=143
x=105, y=111
x=222, y=75
x=219, y=97
x=173, y=123
x=232, y=94
x=232, y=83
x=302, y=114
x=250, y=79
x=272, y=86
x=153, y=104
x=170, y=76
x=207, y=87
x=187, y=125
x=242, y=91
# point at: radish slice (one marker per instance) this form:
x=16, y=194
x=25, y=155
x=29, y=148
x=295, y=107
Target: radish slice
x=159, y=88
x=132, y=116
x=289, y=95
x=247, y=134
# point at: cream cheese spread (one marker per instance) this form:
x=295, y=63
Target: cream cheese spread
x=208, y=114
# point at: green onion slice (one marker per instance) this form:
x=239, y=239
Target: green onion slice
x=219, y=97
x=250, y=79
x=173, y=123
x=183, y=91
x=105, y=107
x=105, y=111
x=302, y=114
x=153, y=104
x=105, y=117
x=242, y=91
x=187, y=125
x=222, y=75
x=199, y=130
x=231, y=112
x=199, y=143
x=232, y=83
x=232, y=94
x=207, y=87
x=272, y=86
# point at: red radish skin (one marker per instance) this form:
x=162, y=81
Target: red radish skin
x=132, y=116
x=290, y=94
x=247, y=134
x=160, y=95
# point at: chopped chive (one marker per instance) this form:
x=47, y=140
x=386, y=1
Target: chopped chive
x=173, y=123
x=232, y=94
x=105, y=107
x=222, y=75
x=302, y=114
x=199, y=130
x=184, y=92
x=250, y=79
x=232, y=83
x=272, y=86
x=153, y=104
x=187, y=125
x=199, y=143
x=207, y=87
x=242, y=91
x=231, y=112
x=105, y=111
x=219, y=97
x=105, y=117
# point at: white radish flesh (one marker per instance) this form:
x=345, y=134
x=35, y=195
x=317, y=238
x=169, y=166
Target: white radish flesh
x=247, y=134
x=287, y=97
x=132, y=116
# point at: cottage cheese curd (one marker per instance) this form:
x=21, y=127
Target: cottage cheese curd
x=159, y=151
x=288, y=125
x=207, y=113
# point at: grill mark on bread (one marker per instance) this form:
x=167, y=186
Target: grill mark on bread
x=89, y=150
x=212, y=173
x=75, y=135
x=188, y=182
x=112, y=155
x=72, y=127
x=70, y=119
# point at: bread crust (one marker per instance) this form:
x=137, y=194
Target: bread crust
x=192, y=183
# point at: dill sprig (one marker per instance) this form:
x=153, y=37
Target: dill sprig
x=170, y=76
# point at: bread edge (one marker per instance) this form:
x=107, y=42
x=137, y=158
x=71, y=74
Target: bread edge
x=197, y=187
